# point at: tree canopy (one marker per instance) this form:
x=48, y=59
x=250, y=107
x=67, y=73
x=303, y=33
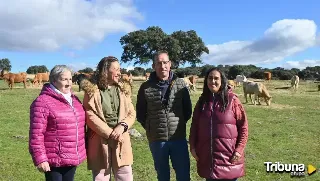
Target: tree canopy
x=182, y=46
x=5, y=64
x=231, y=71
x=86, y=70
x=37, y=69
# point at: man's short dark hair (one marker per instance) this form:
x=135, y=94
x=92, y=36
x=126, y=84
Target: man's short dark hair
x=156, y=55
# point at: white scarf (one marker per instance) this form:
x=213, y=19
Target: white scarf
x=66, y=96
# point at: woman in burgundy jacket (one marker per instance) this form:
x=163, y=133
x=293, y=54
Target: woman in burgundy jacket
x=57, y=128
x=219, y=131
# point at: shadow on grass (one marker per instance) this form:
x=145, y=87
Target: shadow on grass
x=282, y=87
x=312, y=91
x=14, y=88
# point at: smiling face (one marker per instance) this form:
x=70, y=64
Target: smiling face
x=114, y=73
x=214, y=81
x=64, y=82
x=162, y=66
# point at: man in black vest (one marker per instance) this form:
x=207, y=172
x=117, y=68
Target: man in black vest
x=163, y=109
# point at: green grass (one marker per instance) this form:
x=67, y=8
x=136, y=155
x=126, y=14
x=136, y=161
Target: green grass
x=286, y=131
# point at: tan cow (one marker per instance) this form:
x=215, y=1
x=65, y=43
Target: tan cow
x=39, y=78
x=191, y=82
x=258, y=89
x=147, y=75
x=126, y=84
x=12, y=78
x=126, y=87
x=232, y=83
x=188, y=83
x=3, y=71
x=126, y=77
x=193, y=79
x=295, y=82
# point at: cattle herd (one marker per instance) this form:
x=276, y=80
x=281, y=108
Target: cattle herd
x=258, y=89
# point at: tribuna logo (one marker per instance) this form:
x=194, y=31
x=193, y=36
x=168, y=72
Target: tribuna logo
x=295, y=170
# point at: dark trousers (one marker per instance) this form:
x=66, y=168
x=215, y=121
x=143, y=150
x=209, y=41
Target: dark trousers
x=60, y=174
x=178, y=152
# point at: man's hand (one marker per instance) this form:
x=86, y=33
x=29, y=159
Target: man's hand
x=44, y=167
x=236, y=156
x=117, y=132
x=194, y=154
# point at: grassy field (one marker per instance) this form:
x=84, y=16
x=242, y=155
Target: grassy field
x=287, y=131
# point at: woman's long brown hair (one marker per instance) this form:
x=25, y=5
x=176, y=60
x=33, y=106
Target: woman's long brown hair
x=222, y=94
x=101, y=74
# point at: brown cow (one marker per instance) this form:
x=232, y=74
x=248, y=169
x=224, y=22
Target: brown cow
x=12, y=78
x=74, y=78
x=39, y=78
x=80, y=76
x=267, y=76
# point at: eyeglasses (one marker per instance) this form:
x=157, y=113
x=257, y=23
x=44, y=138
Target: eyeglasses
x=162, y=63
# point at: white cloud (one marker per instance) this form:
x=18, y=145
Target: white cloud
x=284, y=38
x=129, y=68
x=48, y=25
x=301, y=64
x=76, y=66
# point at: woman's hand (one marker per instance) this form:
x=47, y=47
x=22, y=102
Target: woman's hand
x=194, y=154
x=117, y=132
x=44, y=167
x=236, y=156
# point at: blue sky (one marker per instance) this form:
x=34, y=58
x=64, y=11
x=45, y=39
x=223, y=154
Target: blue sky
x=79, y=33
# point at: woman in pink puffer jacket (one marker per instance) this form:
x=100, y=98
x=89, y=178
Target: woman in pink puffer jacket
x=57, y=128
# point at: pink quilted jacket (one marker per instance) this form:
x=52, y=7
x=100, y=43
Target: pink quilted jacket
x=57, y=131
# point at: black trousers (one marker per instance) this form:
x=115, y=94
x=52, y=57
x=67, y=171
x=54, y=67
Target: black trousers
x=61, y=173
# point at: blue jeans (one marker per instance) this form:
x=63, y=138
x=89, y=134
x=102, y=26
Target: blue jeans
x=221, y=179
x=179, y=155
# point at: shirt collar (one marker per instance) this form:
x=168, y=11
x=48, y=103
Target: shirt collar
x=59, y=92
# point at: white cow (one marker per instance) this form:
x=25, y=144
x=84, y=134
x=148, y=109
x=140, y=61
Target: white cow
x=295, y=82
x=239, y=79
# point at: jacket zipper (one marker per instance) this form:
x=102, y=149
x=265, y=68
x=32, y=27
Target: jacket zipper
x=211, y=134
x=167, y=107
x=77, y=135
x=166, y=112
x=211, y=141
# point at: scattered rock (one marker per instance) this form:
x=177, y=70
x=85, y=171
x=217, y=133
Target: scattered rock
x=134, y=133
x=19, y=137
